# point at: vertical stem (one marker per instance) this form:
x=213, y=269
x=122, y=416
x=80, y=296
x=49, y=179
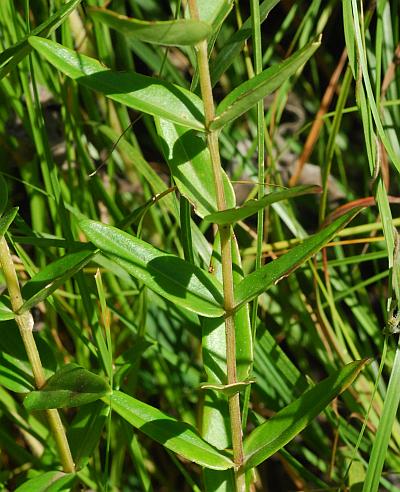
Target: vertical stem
x=25, y=325
x=226, y=254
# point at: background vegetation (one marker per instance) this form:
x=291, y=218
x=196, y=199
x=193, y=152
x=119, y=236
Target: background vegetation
x=73, y=149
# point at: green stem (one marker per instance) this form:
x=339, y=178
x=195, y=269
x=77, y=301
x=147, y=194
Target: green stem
x=226, y=255
x=25, y=325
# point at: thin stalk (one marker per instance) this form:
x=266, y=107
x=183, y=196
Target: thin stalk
x=25, y=325
x=258, y=66
x=226, y=255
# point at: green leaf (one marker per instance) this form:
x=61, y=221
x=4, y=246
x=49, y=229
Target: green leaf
x=71, y=386
x=177, y=436
x=385, y=428
x=229, y=52
x=6, y=312
x=276, y=432
x=84, y=432
x=227, y=390
x=6, y=220
x=3, y=196
x=147, y=94
x=10, y=57
x=260, y=280
x=190, y=165
x=244, y=97
x=180, y=32
x=232, y=215
x=52, y=481
x=53, y=276
x=171, y=277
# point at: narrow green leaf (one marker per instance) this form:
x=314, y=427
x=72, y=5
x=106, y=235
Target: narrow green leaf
x=385, y=428
x=250, y=92
x=190, y=164
x=52, y=481
x=177, y=436
x=276, y=432
x=168, y=275
x=3, y=196
x=10, y=57
x=260, y=280
x=84, y=432
x=233, y=47
x=53, y=276
x=232, y=215
x=7, y=220
x=147, y=94
x=5, y=311
x=71, y=386
x=180, y=32
x=227, y=389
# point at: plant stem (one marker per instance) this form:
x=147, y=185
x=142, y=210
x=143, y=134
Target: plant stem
x=226, y=254
x=25, y=324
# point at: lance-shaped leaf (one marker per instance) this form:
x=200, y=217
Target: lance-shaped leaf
x=10, y=57
x=171, y=277
x=6, y=220
x=180, y=32
x=190, y=164
x=234, y=45
x=260, y=280
x=147, y=94
x=232, y=215
x=276, y=432
x=71, y=386
x=52, y=481
x=177, y=436
x=5, y=310
x=52, y=277
x=244, y=97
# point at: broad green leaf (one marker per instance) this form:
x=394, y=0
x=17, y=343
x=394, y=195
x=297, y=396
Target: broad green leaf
x=260, y=280
x=244, y=97
x=10, y=57
x=71, y=386
x=3, y=196
x=180, y=32
x=276, y=432
x=147, y=94
x=177, y=436
x=234, y=46
x=190, y=164
x=166, y=274
x=52, y=481
x=218, y=481
x=230, y=216
x=53, y=276
x=84, y=432
x=7, y=220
